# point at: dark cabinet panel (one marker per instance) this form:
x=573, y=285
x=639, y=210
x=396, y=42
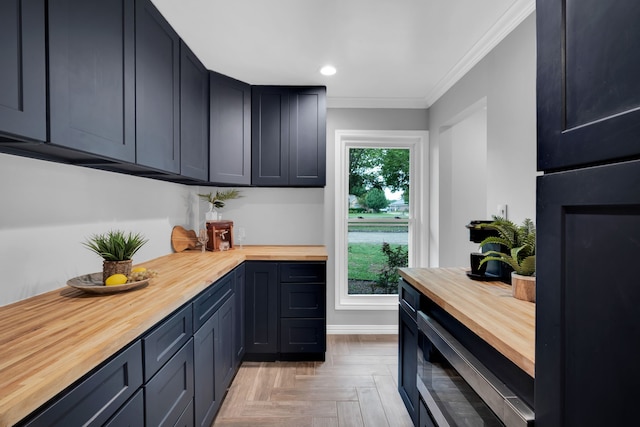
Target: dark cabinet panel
x=23, y=105
x=587, y=327
x=262, y=315
x=303, y=272
x=225, y=366
x=303, y=300
x=588, y=90
x=269, y=136
x=288, y=136
x=238, y=324
x=166, y=339
x=98, y=397
x=302, y=335
x=408, y=362
x=131, y=414
x=186, y=419
x=211, y=299
x=157, y=90
x=92, y=77
x=171, y=389
x=230, y=145
x=307, y=143
x=207, y=400
x=194, y=116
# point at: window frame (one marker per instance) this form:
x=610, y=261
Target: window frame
x=417, y=144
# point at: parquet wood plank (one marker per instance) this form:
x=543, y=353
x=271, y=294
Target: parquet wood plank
x=349, y=414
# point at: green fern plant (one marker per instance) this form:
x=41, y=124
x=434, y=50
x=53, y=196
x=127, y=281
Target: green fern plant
x=115, y=245
x=519, y=241
x=218, y=199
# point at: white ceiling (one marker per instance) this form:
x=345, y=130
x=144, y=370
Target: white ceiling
x=389, y=53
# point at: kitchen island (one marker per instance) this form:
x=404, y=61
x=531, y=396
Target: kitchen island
x=50, y=341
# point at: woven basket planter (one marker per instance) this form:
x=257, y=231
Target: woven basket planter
x=109, y=268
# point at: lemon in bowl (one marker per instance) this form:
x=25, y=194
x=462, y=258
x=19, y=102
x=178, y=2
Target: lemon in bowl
x=116, y=279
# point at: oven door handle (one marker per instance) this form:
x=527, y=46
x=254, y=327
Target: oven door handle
x=511, y=410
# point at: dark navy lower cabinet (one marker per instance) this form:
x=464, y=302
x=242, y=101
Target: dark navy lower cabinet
x=238, y=324
x=166, y=339
x=262, y=307
x=206, y=401
x=98, y=397
x=131, y=414
x=170, y=391
x=302, y=336
x=408, y=362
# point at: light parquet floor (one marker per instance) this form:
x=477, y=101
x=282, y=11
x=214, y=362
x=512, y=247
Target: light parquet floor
x=355, y=386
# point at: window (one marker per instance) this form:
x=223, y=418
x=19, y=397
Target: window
x=366, y=220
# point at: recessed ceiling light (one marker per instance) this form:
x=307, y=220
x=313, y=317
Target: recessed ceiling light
x=328, y=70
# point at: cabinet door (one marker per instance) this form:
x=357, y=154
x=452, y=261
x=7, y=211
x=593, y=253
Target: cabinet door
x=302, y=300
x=91, y=76
x=206, y=399
x=225, y=367
x=308, y=140
x=587, y=296
x=261, y=307
x=98, y=397
x=157, y=90
x=269, y=136
x=22, y=69
x=230, y=130
x=588, y=87
x=194, y=116
x=408, y=362
x=170, y=391
x=238, y=324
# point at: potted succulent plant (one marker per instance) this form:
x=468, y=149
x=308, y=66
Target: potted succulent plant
x=116, y=249
x=519, y=243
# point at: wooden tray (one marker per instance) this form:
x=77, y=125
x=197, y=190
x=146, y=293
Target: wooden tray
x=93, y=284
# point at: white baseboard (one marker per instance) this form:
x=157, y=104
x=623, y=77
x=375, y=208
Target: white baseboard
x=361, y=329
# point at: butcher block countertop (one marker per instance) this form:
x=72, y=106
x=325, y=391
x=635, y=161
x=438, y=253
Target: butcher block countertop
x=49, y=341
x=486, y=308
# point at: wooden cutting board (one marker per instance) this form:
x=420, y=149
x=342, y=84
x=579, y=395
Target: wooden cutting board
x=183, y=239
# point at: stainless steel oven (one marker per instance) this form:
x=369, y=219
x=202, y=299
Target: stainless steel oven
x=457, y=389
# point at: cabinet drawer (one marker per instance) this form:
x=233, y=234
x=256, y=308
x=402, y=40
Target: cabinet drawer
x=163, y=342
x=169, y=392
x=302, y=336
x=98, y=397
x=303, y=272
x=409, y=299
x=131, y=414
x=302, y=300
x=211, y=299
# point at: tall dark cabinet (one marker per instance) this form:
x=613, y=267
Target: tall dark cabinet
x=157, y=90
x=288, y=126
x=22, y=69
x=92, y=77
x=588, y=213
x=230, y=154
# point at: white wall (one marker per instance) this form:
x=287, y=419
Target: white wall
x=48, y=209
x=506, y=79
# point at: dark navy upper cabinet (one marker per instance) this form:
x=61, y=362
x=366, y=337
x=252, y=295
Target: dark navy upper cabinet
x=157, y=90
x=588, y=87
x=22, y=69
x=288, y=126
x=92, y=77
x=194, y=116
x=230, y=141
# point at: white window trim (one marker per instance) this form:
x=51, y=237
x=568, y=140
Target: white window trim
x=417, y=143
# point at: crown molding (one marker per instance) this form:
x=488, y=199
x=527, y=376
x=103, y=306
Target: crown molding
x=345, y=102
x=513, y=17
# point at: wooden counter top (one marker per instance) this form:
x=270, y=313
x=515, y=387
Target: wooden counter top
x=486, y=308
x=49, y=341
